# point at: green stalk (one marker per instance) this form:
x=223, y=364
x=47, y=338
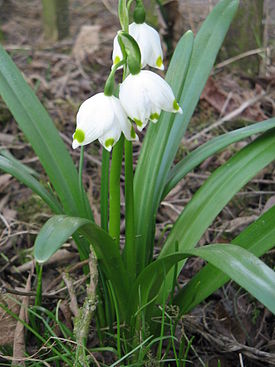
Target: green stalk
x=104, y=189
x=81, y=167
x=123, y=15
x=38, y=297
x=114, y=213
x=129, y=249
x=83, y=198
x=117, y=319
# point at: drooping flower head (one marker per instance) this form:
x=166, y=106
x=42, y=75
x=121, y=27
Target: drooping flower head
x=101, y=117
x=144, y=95
x=149, y=43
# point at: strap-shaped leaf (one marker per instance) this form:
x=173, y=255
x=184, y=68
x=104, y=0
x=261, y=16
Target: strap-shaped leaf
x=235, y=262
x=146, y=171
x=163, y=139
x=39, y=129
x=216, y=192
x=257, y=238
x=213, y=146
x=60, y=227
x=15, y=169
x=244, y=268
x=7, y=154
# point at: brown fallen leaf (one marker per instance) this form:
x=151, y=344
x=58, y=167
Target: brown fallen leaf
x=8, y=323
x=61, y=256
x=4, y=180
x=86, y=42
x=217, y=97
x=269, y=204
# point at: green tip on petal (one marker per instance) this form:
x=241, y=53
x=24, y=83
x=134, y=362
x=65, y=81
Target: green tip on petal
x=79, y=135
x=176, y=106
x=154, y=116
x=116, y=60
x=109, y=142
x=138, y=122
x=133, y=133
x=159, y=62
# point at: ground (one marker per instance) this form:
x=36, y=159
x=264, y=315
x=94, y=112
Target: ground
x=231, y=326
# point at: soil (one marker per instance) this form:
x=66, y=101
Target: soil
x=231, y=326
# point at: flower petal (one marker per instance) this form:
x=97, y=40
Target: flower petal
x=149, y=43
x=121, y=119
x=161, y=94
x=134, y=99
x=117, y=53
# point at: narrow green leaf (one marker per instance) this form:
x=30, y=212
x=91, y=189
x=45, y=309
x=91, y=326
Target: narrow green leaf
x=216, y=192
x=60, y=227
x=244, y=268
x=257, y=238
x=15, y=169
x=144, y=176
x=149, y=282
x=213, y=146
x=164, y=138
x=5, y=153
x=39, y=129
x=236, y=262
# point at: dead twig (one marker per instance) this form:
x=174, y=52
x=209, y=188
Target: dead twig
x=83, y=320
x=229, y=116
x=73, y=301
x=27, y=294
x=240, y=56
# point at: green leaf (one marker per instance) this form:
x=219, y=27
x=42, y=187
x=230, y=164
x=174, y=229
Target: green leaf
x=257, y=238
x=236, y=262
x=132, y=51
x=5, y=153
x=39, y=129
x=216, y=192
x=15, y=168
x=146, y=172
x=213, y=146
x=60, y=227
x=149, y=282
x=244, y=268
x=164, y=138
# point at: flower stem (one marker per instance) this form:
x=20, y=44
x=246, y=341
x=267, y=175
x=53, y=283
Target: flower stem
x=83, y=197
x=81, y=167
x=123, y=15
x=114, y=214
x=104, y=189
x=129, y=250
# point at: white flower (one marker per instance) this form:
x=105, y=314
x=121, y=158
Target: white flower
x=144, y=95
x=101, y=117
x=148, y=41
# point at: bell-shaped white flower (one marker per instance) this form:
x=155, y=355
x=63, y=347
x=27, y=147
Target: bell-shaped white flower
x=144, y=95
x=101, y=117
x=148, y=41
